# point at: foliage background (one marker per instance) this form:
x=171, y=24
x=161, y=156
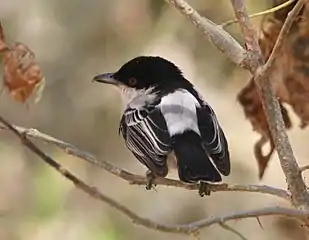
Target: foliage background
x=75, y=40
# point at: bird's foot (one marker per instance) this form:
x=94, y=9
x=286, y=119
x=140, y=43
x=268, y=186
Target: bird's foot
x=150, y=179
x=204, y=189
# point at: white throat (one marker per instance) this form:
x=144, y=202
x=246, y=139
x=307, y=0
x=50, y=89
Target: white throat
x=136, y=98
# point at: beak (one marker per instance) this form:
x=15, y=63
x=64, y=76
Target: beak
x=106, y=78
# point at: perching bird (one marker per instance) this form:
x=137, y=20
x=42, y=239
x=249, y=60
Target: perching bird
x=165, y=116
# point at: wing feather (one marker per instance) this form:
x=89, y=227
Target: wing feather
x=146, y=136
x=214, y=140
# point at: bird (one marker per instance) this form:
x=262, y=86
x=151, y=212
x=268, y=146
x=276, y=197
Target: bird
x=166, y=119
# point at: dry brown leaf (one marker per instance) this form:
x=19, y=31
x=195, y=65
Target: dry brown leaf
x=289, y=79
x=252, y=106
x=22, y=76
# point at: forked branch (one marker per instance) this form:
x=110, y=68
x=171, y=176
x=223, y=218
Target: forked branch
x=262, y=74
x=190, y=228
x=251, y=59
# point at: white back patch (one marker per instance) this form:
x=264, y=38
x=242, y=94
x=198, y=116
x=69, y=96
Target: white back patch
x=179, y=111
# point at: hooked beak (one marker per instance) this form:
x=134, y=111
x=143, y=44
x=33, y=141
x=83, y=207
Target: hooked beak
x=106, y=78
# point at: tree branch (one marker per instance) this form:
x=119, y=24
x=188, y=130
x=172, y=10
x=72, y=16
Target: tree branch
x=304, y=168
x=93, y=192
x=253, y=61
x=214, y=33
x=189, y=228
x=267, y=211
x=296, y=185
x=141, y=180
x=228, y=228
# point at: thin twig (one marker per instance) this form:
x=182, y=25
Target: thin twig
x=304, y=168
x=296, y=185
x=294, y=213
x=260, y=223
x=189, y=228
x=268, y=11
x=228, y=228
x=142, y=180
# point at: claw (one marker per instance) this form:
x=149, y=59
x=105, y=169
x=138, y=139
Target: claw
x=151, y=177
x=204, y=189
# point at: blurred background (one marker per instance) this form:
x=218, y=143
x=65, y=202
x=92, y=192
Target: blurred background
x=75, y=40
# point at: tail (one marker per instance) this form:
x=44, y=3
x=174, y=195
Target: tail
x=193, y=162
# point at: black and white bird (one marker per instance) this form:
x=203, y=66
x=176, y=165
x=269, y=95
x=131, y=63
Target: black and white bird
x=165, y=118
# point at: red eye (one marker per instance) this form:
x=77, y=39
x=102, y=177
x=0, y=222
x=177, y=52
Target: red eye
x=132, y=82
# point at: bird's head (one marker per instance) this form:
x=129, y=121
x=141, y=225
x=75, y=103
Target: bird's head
x=144, y=72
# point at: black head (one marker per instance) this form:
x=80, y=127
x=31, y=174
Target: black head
x=144, y=72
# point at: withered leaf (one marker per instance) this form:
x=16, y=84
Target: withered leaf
x=22, y=76
x=252, y=106
x=289, y=79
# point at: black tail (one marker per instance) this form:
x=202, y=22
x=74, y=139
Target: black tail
x=192, y=160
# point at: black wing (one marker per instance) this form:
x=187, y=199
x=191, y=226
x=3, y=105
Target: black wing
x=146, y=136
x=213, y=138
